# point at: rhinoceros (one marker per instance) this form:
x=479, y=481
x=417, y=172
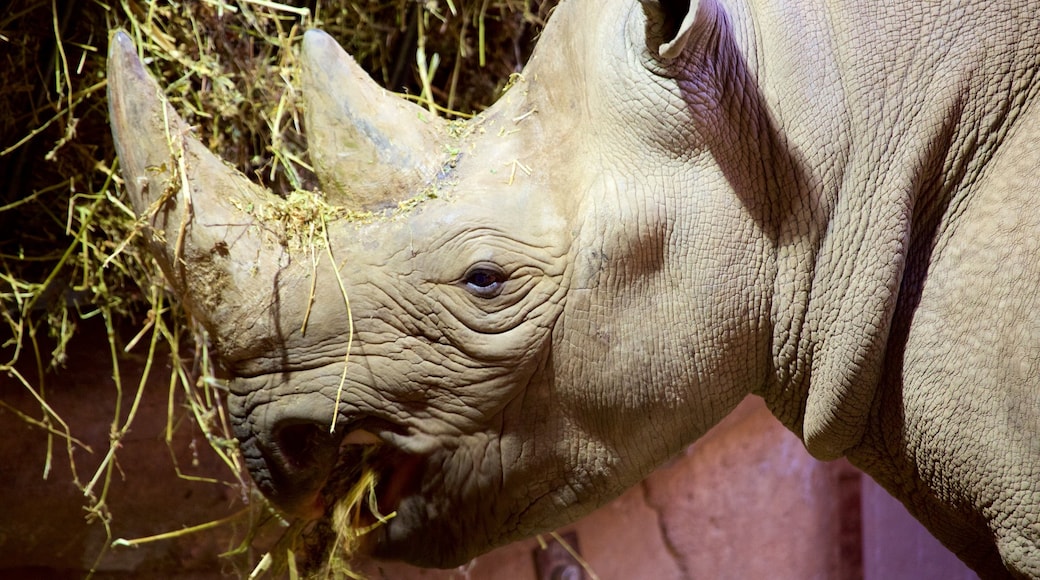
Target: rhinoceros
x=834, y=206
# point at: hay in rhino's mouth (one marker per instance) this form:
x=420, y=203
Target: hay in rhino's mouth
x=363, y=490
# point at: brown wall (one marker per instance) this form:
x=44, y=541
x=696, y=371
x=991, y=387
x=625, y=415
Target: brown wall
x=45, y=531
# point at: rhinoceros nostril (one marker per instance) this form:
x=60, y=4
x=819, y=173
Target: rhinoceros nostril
x=305, y=446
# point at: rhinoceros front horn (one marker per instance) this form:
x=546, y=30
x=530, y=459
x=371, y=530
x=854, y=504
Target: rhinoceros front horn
x=206, y=243
x=370, y=148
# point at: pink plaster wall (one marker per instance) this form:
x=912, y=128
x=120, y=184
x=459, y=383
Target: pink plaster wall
x=896, y=546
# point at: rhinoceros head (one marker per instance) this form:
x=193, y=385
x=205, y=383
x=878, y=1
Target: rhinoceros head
x=525, y=341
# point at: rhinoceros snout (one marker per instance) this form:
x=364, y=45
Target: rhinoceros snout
x=290, y=460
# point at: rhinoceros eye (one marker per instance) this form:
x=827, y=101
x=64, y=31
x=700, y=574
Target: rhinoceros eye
x=484, y=280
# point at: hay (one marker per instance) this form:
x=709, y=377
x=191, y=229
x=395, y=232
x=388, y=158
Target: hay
x=328, y=548
x=229, y=69
x=346, y=513
x=325, y=549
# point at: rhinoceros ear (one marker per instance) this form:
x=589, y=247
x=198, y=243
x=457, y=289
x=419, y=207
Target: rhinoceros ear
x=670, y=22
x=190, y=200
x=370, y=148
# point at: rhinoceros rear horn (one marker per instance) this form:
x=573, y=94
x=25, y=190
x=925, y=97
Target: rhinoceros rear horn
x=370, y=148
x=192, y=203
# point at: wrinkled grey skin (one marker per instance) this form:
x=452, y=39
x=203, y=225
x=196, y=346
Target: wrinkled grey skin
x=831, y=206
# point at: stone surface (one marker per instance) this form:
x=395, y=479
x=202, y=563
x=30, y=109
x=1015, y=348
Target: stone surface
x=749, y=502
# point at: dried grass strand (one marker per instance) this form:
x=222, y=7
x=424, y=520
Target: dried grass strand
x=350, y=324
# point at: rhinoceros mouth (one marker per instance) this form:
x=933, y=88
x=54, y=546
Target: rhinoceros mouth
x=364, y=457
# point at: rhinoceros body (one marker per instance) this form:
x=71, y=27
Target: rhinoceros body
x=836, y=207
